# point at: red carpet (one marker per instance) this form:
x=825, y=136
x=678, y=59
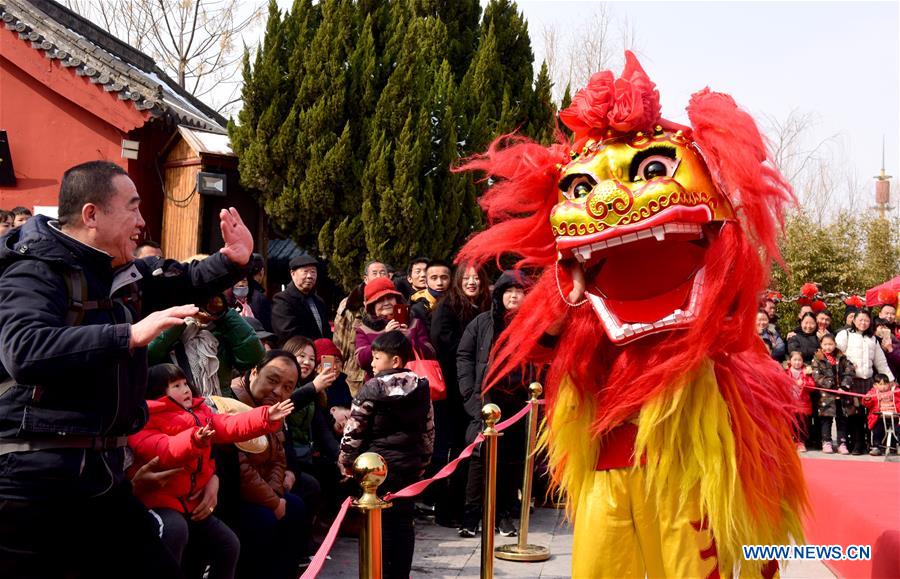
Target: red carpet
x=871, y=517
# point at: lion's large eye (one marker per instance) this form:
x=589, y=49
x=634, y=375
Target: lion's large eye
x=654, y=162
x=656, y=166
x=580, y=187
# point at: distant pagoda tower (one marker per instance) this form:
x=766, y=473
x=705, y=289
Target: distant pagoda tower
x=882, y=189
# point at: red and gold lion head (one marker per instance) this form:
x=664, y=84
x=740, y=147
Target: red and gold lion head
x=637, y=206
x=674, y=227
x=637, y=211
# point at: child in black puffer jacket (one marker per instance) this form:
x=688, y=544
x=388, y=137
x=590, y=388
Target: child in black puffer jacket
x=834, y=371
x=392, y=415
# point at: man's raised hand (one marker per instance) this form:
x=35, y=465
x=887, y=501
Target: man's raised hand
x=238, y=240
x=280, y=410
x=143, y=332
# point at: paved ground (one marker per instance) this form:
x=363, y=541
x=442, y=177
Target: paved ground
x=440, y=552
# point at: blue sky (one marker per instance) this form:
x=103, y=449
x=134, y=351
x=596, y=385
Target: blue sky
x=838, y=60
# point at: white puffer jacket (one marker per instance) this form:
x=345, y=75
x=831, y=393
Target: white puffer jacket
x=864, y=352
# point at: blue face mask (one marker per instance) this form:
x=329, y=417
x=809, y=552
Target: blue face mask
x=241, y=292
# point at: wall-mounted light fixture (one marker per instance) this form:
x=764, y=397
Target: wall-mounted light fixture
x=212, y=184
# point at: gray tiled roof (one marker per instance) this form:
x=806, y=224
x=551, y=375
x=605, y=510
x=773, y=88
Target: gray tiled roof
x=105, y=60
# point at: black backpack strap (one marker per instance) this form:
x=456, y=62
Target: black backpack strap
x=76, y=285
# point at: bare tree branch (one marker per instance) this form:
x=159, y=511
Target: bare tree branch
x=194, y=41
x=823, y=182
x=595, y=45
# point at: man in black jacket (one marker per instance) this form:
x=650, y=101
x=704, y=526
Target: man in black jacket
x=76, y=315
x=298, y=311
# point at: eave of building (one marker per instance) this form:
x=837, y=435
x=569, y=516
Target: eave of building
x=143, y=91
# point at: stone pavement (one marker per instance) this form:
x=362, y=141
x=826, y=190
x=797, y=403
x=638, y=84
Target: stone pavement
x=441, y=553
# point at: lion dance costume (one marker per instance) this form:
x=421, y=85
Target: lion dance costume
x=669, y=428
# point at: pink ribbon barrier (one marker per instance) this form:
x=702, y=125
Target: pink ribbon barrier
x=838, y=392
x=315, y=566
x=417, y=487
x=322, y=554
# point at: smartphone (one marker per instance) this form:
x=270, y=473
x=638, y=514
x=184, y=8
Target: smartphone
x=401, y=314
x=327, y=363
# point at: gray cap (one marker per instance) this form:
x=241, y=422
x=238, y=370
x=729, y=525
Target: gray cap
x=302, y=260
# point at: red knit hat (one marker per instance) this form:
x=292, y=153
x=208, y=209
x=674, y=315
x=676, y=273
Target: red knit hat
x=325, y=347
x=378, y=288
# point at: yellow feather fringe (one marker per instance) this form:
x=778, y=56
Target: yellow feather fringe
x=687, y=437
x=571, y=451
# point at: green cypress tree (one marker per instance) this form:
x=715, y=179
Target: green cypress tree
x=513, y=46
x=403, y=208
x=462, y=20
x=376, y=181
x=439, y=184
x=563, y=105
x=355, y=113
x=264, y=108
x=481, y=95
x=316, y=180
x=542, y=116
x=881, y=260
x=567, y=98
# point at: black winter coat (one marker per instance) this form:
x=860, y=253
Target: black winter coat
x=473, y=358
x=446, y=332
x=291, y=315
x=806, y=344
x=830, y=376
x=82, y=380
x=262, y=307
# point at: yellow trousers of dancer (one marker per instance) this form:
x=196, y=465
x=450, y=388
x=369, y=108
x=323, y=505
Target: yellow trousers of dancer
x=621, y=531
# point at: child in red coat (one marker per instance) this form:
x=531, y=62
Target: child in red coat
x=884, y=396
x=803, y=382
x=180, y=432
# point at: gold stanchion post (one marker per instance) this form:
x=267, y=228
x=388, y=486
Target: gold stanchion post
x=370, y=470
x=490, y=413
x=522, y=551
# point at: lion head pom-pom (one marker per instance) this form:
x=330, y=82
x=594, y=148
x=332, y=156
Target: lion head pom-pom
x=625, y=104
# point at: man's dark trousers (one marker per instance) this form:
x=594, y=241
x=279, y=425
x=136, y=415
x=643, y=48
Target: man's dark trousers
x=110, y=536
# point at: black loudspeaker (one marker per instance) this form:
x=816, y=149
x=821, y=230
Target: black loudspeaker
x=7, y=175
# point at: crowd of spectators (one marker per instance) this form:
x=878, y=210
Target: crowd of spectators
x=217, y=438
x=844, y=371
